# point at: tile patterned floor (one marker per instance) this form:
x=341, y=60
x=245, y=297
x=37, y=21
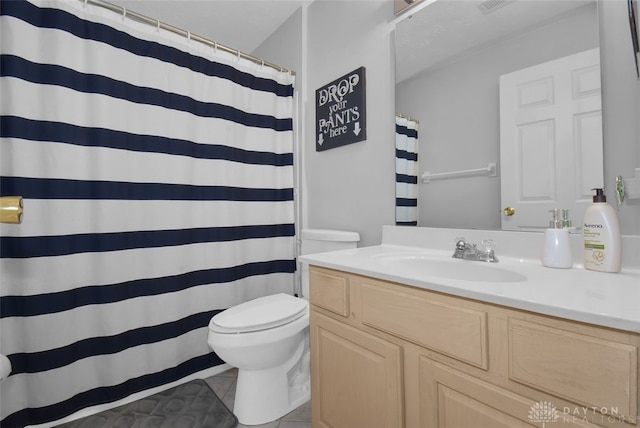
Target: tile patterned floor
x=224, y=385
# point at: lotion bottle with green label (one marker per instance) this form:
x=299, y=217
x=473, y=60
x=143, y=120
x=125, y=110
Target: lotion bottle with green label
x=601, y=236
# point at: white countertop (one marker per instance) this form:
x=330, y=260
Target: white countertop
x=604, y=299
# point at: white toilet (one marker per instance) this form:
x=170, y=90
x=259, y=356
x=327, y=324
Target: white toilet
x=267, y=339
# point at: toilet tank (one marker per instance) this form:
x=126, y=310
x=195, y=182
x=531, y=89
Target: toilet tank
x=320, y=241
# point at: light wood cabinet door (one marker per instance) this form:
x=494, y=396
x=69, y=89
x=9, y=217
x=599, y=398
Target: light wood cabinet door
x=428, y=322
x=594, y=372
x=452, y=399
x=355, y=377
x=333, y=294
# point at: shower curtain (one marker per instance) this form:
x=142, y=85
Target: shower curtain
x=406, y=171
x=157, y=177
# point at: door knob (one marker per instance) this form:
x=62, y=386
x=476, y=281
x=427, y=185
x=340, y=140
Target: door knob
x=509, y=211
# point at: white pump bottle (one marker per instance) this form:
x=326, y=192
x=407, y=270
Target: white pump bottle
x=601, y=236
x=556, y=250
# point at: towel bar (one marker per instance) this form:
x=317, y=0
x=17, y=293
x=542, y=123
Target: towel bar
x=489, y=170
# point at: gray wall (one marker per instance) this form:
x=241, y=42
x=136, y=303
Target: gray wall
x=457, y=105
x=352, y=187
x=284, y=46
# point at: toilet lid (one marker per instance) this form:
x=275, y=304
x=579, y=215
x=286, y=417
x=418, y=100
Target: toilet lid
x=259, y=314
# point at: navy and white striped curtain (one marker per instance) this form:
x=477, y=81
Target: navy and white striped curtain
x=157, y=177
x=406, y=171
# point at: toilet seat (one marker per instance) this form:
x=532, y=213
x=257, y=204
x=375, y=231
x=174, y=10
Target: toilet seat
x=259, y=314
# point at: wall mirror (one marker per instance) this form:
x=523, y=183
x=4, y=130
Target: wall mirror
x=449, y=59
x=635, y=32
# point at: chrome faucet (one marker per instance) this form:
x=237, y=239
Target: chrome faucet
x=467, y=251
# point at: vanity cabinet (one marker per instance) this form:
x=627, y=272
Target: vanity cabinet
x=385, y=354
x=357, y=377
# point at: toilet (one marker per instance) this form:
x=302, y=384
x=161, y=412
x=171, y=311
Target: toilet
x=267, y=339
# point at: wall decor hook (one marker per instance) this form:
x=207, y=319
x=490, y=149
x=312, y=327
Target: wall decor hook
x=630, y=186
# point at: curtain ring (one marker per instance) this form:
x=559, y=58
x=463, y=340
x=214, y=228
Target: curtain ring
x=238, y=55
x=215, y=47
x=188, y=36
x=124, y=13
x=261, y=64
x=158, y=25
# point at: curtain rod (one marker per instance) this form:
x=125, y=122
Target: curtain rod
x=187, y=34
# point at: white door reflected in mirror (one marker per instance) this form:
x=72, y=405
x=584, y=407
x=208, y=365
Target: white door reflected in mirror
x=550, y=139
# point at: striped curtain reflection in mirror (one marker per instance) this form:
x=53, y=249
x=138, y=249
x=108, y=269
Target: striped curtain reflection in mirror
x=157, y=177
x=406, y=171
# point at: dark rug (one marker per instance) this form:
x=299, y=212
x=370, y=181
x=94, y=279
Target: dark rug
x=191, y=405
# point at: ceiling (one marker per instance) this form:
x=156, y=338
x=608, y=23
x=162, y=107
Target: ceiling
x=439, y=31
x=443, y=30
x=239, y=24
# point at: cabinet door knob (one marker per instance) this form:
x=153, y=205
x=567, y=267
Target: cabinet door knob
x=509, y=211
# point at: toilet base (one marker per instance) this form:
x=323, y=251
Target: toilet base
x=264, y=396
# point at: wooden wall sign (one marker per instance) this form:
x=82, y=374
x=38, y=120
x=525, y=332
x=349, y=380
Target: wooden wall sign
x=341, y=111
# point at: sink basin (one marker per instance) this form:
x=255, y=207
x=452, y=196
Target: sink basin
x=437, y=266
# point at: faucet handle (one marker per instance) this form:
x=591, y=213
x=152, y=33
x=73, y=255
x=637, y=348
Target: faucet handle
x=461, y=243
x=489, y=245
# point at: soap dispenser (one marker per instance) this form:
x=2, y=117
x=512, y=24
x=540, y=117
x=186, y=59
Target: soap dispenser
x=556, y=250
